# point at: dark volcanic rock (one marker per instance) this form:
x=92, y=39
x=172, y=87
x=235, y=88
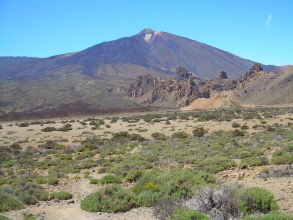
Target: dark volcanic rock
x=182, y=89
x=181, y=72
x=252, y=74
x=223, y=75
x=142, y=85
x=220, y=83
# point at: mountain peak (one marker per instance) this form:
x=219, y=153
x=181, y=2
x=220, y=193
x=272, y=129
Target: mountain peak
x=146, y=31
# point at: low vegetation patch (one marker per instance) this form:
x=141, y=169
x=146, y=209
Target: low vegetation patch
x=112, y=198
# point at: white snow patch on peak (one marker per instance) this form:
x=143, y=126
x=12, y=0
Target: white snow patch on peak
x=147, y=37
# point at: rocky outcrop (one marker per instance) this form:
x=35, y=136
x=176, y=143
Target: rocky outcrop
x=182, y=73
x=182, y=89
x=142, y=85
x=255, y=71
x=220, y=83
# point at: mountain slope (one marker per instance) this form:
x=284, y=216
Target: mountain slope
x=97, y=78
x=267, y=88
x=159, y=52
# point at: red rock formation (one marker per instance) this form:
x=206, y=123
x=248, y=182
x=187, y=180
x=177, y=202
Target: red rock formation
x=182, y=89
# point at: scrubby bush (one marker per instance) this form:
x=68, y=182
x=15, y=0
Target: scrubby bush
x=237, y=133
x=274, y=215
x=236, y=125
x=218, y=203
x=52, y=180
x=9, y=202
x=29, y=193
x=157, y=186
x=109, y=179
x=159, y=136
x=94, y=181
x=48, y=145
x=256, y=199
x=2, y=217
x=24, y=124
x=207, y=116
x=62, y=195
x=165, y=209
x=243, y=154
x=180, y=134
x=41, y=180
x=65, y=128
x=112, y=198
x=181, y=214
x=49, y=129
x=136, y=137
x=253, y=161
x=244, y=127
x=216, y=164
x=133, y=176
x=283, y=156
x=199, y=131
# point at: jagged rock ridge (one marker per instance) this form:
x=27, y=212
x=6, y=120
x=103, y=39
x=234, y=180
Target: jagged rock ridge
x=185, y=89
x=181, y=89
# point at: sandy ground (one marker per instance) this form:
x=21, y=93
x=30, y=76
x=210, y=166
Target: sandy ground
x=35, y=137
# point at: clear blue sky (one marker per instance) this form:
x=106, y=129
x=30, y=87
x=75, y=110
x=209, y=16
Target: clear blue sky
x=259, y=30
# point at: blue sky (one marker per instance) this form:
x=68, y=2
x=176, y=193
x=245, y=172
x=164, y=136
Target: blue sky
x=259, y=30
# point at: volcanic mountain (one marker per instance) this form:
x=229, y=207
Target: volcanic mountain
x=97, y=78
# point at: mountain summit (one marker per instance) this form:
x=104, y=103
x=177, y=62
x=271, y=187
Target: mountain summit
x=146, y=31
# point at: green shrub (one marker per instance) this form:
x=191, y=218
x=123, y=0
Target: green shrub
x=28, y=192
x=112, y=198
x=216, y=164
x=181, y=214
x=24, y=124
x=253, y=161
x=9, y=202
x=274, y=215
x=136, y=137
x=62, y=195
x=244, y=127
x=52, y=172
x=48, y=129
x=199, y=131
x=282, y=157
x=256, y=199
x=3, y=181
x=157, y=186
x=94, y=181
x=133, y=176
x=159, y=136
x=109, y=179
x=28, y=199
x=41, y=180
x=243, y=154
x=180, y=134
x=48, y=145
x=237, y=133
x=2, y=217
x=52, y=181
x=236, y=125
